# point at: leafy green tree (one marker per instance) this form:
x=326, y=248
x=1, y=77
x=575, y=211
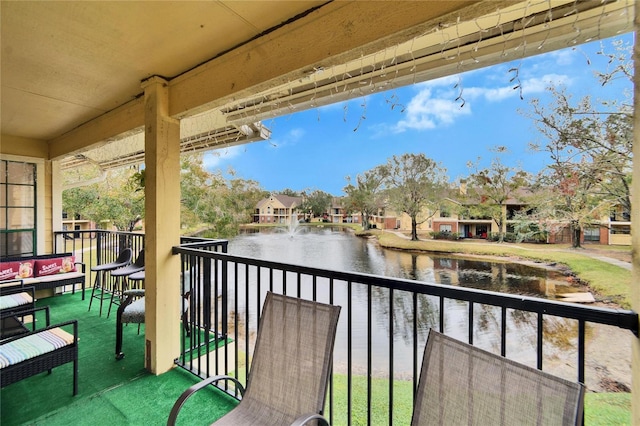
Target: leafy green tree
x=316, y=201
x=416, y=185
x=208, y=201
x=110, y=201
x=365, y=196
x=244, y=195
x=117, y=202
x=75, y=201
x=580, y=133
x=197, y=188
x=290, y=192
x=234, y=205
x=590, y=150
x=567, y=193
x=590, y=161
x=491, y=187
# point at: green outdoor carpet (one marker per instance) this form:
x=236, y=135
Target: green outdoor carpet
x=109, y=391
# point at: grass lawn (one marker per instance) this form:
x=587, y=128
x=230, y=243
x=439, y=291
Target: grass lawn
x=607, y=409
x=601, y=409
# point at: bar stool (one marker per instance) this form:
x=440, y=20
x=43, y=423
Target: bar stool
x=101, y=286
x=137, y=280
x=121, y=279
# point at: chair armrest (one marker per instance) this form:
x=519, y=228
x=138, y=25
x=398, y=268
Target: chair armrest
x=306, y=418
x=82, y=266
x=33, y=312
x=10, y=284
x=18, y=289
x=175, y=410
x=134, y=293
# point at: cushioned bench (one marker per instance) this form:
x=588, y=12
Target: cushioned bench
x=38, y=351
x=47, y=271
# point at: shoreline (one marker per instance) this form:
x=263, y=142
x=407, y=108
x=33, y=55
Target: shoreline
x=608, y=360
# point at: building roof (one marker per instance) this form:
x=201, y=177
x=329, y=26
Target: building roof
x=285, y=200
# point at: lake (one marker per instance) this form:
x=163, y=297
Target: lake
x=336, y=248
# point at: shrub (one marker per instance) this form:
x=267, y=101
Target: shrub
x=439, y=235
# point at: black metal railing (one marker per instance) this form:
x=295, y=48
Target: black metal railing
x=96, y=246
x=620, y=217
x=382, y=329
x=383, y=325
x=201, y=289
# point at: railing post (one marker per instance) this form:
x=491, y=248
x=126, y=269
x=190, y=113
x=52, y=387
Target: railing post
x=206, y=297
x=225, y=295
x=98, y=248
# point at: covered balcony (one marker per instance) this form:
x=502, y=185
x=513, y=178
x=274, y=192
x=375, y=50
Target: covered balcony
x=116, y=84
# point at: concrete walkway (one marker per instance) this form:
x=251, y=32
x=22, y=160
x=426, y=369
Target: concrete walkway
x=620, y=263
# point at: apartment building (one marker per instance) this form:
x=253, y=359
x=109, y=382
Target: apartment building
x=277, y=208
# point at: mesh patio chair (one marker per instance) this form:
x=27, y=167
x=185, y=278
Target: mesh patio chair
x=462, y=384
x=290, y=368
x=132, y=309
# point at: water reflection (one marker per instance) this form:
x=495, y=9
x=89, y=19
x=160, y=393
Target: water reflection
x=336, y=248
x=379, y=316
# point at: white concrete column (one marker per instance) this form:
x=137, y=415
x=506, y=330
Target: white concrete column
x=635, y=226
x=162, y=228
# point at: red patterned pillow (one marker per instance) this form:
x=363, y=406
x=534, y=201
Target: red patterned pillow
x=68, y=264
x=8, y=270
x=17, y=269
x=25, y=269
x=48, y=266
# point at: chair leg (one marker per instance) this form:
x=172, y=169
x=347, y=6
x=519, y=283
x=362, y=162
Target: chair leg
x=96, y=283
x=119, y=353
x=185, y=323
x=100, y=285
x=121, y=284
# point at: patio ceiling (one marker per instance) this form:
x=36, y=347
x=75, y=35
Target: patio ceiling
x=72, y=71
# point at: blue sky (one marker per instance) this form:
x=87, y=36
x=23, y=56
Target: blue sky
x=317, y=149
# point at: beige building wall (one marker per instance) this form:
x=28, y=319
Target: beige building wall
x=273, y=211
x=620, y=239
x=405, y=223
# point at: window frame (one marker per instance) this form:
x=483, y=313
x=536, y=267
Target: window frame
x=6, y=185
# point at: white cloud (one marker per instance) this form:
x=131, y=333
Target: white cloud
x=213, y=159
x=563, y=57
x=530, y=87
x=538, y=85
x=289, y=138
x=443, y=101
x=436, y=104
